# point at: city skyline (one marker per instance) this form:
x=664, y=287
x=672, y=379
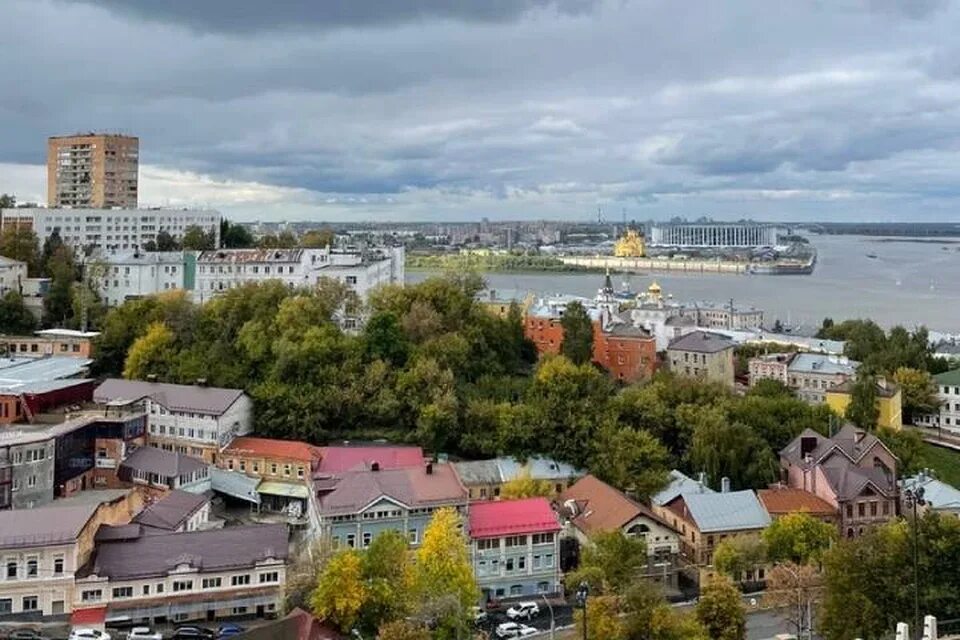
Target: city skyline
x=541, y=109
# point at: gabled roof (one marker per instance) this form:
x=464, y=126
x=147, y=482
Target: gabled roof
x=164, y=463
x=176, y=397
x=731, y=511
x=511, y=517
x=678, y=484
x=44, y=526
x=950, y=378
x=338, y=459
x=273, y=448
x=850, y=441
x=595, y=506
x=784, y=500
x=171, y=511
x=410, y=486
x=702, y=342
x=214, y=550
x=849, y=481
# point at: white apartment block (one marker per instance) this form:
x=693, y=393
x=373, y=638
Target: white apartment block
x=191, y=419
x=225, y=269
x=948, y=393
x=110, y=230
x=136, y=274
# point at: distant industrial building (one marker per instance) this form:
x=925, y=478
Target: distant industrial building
x=93, y=171
x=712, y=234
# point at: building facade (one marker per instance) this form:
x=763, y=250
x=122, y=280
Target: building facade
x=484, y=479
x=110, y=230
x=198, y=575
x=190, y=419
x=12, y=275
x=702, y=355
x=628, y=353
x=711, y=315
x=515, y=548
x=712, y=234
x=53, y=342
x=94, y=171
x=854, y=472
x=809, y=375
x=135, y=274
x=948, y=394
x=889, y=402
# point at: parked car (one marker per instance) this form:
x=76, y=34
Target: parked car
x=144, y=633
x=26, y=634
x=193, y=633
x=523, y=611
x=229, y=630
x=89, y=634
x=514, y=630
x=479, y=615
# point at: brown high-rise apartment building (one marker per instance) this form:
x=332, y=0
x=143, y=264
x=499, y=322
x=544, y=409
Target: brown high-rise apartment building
x=96, y=171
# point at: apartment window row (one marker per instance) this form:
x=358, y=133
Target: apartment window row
x=32, y=569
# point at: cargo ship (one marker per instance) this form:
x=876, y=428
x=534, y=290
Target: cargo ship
x=784, y=267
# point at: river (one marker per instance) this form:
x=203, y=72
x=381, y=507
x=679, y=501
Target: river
x=908, y=283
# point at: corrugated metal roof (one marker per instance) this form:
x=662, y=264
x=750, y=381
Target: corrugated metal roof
x=21, y=371
x=732, y=511
x=44, y=526
x=678, y=484
x=234, y=484
x=285, y=489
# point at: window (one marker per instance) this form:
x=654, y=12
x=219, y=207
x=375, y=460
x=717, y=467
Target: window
x=509, y=564
x=93, y=595
x=239, y=581
x=58, y=565
x=515, y=541
x=286, y=470
x=351, y=540
x=516, y=590
x=489, y=543
x=548, y=561
x=239, y=611
x=146, y=590
x=367, y=539
x=849, y=510
x=413, y=536
x=861, y=509
x=522, y=563
x=32, y=566
x=886, y=508
x=273, y=576
x=122, y=592
x=211, y=583
x=30, y=603
x=159, y=587
x=182, y=585
x=543, y=587
x=542, y=538
x=6, y=606
x=273, y=468
x=11, y=573
x=873, y=509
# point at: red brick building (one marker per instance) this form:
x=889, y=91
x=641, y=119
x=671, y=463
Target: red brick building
x=546, y=333
x=628, y=353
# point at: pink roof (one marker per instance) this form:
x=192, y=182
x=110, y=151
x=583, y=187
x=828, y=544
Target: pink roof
x=512, y=517
x=340, y=459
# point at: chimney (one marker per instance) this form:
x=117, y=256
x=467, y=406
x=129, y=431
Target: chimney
x=701, y=480
x=724, y=485
x=429, y=468
x=858, y=435
x=374, y=466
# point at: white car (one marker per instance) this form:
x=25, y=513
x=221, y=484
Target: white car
x=144, y=633
x=88, y=634
x=514, y=630
x=523, y=611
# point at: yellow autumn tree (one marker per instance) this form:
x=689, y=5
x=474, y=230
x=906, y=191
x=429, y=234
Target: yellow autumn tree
x=152, y=353
x=524, y=485
x=340, y=592
x=446, y=588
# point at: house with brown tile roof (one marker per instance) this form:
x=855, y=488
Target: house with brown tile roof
x=591, y=506
x=780, y=501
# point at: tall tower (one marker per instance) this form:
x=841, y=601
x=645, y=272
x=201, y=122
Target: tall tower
x=93, y=171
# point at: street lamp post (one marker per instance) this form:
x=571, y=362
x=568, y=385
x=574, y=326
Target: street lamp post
x=583, y=592
x=552, y=625
x=913, y=498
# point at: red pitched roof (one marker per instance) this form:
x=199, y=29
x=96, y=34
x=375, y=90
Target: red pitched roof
x=512, y=517
x=786, y=500
x=601, y=507
x=268, y=447
x=340, y=459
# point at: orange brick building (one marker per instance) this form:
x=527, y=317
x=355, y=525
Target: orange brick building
x=545, y=333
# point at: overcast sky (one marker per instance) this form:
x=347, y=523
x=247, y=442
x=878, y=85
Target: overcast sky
x=457, y=109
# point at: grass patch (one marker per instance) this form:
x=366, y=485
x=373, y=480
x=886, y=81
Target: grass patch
x=945, y=463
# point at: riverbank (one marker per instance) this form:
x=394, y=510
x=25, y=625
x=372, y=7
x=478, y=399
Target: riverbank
x=493, y=262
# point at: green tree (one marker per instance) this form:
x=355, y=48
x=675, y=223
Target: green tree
x=732, y=450
x=340, y=593
x=647, y=616
x=919, y=392
x=631, y=459
x=196, y=239
x=7, y=201
x=302, y=571
x=908, y=446
x=283, y=240
x=798, y=538
x=613, y=556
x=389, y=580
x=166, y=242
x=58, y=303
x=445, y=585
x=737, y=556
x=152, y=354
x=403, y=630
x=20, y=243
x=602, y=619
x=863, y=410
x=385, y=339
x=524, y=485
x=234, y=236
x=318, y=238
x=720, y=610
x=577, y=327
x=15, y=318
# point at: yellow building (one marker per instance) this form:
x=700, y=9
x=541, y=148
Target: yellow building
x=500, y=307
x=888, y=401
x=631, y=245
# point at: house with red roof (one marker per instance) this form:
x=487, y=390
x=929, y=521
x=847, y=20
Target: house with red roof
x=515, y=548
x=339, y=459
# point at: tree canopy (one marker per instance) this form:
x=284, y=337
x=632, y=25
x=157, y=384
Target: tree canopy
x=577, y=343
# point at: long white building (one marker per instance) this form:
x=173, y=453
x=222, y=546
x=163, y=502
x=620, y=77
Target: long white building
x=712, y=234
x=110, y=230
x=135, y=274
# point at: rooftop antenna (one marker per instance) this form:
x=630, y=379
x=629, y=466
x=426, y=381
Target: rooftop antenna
x=599, y=215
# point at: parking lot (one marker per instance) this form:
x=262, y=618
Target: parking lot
x=562, y=616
